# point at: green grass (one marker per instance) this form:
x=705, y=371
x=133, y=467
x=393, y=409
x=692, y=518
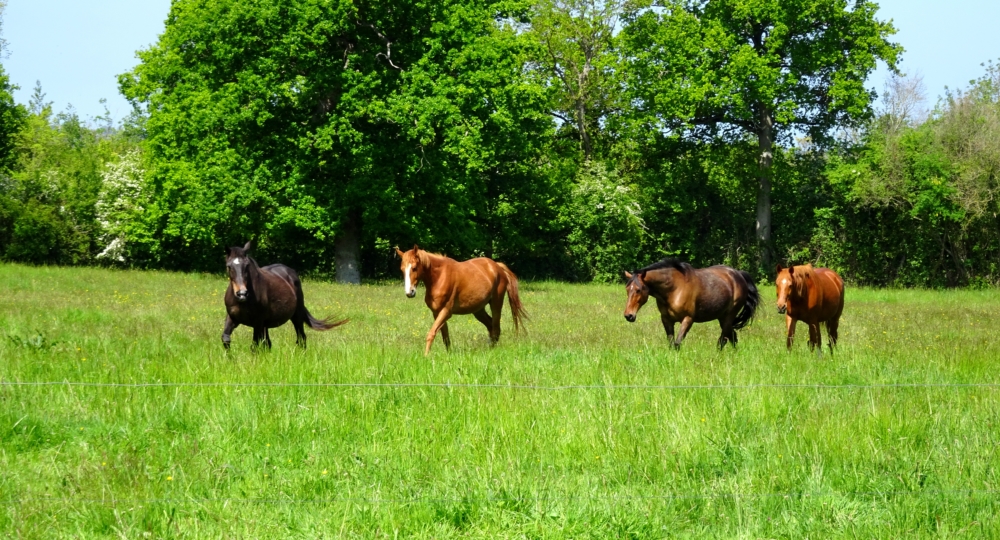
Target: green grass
x=308, y=461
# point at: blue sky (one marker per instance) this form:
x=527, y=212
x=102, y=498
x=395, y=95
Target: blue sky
x=76, y=48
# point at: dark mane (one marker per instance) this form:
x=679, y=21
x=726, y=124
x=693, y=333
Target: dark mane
x=668, y=262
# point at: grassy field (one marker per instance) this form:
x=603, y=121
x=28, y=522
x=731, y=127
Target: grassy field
x=729, y=453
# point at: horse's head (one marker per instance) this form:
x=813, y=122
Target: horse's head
x=638, y=294
x=790, y=282
x=238, y=266
x=413, y=270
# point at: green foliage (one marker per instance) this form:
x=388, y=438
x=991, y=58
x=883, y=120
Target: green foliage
x=12, y=120
x=604, y=222
x=803, y=63
x=917, y=204
x=47, y=203
x=278, y=120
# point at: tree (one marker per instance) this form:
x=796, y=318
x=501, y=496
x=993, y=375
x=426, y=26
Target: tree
x=12, y=115
x=709, y=69
x=575, y=43
x=310, y=125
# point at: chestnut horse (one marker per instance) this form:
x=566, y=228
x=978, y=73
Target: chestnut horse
x=687, y=295
x=461, y=288
x=265, y=297
x=813, y=296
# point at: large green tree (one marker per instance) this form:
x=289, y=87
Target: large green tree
x=770, y=69
x=318, y=127
x=12, y=115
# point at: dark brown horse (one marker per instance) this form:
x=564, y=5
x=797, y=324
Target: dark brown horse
x=813, y=296
x=687, y=295
x=265, y=297
x=461, y=288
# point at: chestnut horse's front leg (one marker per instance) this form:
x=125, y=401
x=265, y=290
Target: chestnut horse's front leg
x=790, y=323
x=440, y=318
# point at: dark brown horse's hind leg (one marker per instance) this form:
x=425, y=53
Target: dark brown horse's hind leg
x=728, y=333
x=227, y=331
x=487, y=321
x=300, y=332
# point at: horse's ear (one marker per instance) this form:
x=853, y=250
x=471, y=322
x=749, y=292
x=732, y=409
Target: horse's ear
x=399, y=253
x=248, y=246
x=415, y=248
x=229, y=251
x=628, y=276
x=779, y=268
x=791, y=270
x=642, y=276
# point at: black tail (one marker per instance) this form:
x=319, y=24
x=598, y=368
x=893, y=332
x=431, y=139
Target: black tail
x=324, y=324
x=750, y=307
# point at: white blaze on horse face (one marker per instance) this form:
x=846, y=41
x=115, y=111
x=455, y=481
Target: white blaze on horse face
x=406, y=274
x=236, y=261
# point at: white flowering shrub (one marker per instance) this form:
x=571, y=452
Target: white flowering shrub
x=604, y=219
x=120, y=202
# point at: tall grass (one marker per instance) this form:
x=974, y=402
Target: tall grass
x=421, y=461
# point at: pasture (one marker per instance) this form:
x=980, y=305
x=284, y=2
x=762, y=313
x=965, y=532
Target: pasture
x=584, y=427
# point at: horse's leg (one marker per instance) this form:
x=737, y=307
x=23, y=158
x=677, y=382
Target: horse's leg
x=267, y=338
x=300, y=332
x=727, y=333
x=668, y=325
x=496, y=307
x=831, y=331
x=439, y=319
x=685, y=326
x=445, y=337
x=258, y=337
x=227, y=331
x=790, y=324
x=815, y=338
x=487, y=321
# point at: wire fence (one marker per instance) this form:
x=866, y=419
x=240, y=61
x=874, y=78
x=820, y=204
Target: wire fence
x=506, y=386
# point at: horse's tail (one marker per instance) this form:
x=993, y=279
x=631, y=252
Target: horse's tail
x=745, y=317
x=324, y=324
x=516, y=309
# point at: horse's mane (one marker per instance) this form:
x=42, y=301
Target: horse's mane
x=425, y=256
x=669, y=262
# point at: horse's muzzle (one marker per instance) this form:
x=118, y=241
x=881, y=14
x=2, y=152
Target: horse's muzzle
x=630, y=317
x=411, y=294
x=241, y=296
x=782, y=310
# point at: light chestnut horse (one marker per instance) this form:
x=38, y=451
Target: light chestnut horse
x=264, y=298
x=813, y=296
x=688, y=295
x=461, y=288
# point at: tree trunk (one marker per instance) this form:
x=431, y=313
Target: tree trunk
x=765, y=141
x=347, y=250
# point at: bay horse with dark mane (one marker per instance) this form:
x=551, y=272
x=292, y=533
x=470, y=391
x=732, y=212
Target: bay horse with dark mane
x=688, y=295
x=813, y=296
x=265, y=297
x=461, y=288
